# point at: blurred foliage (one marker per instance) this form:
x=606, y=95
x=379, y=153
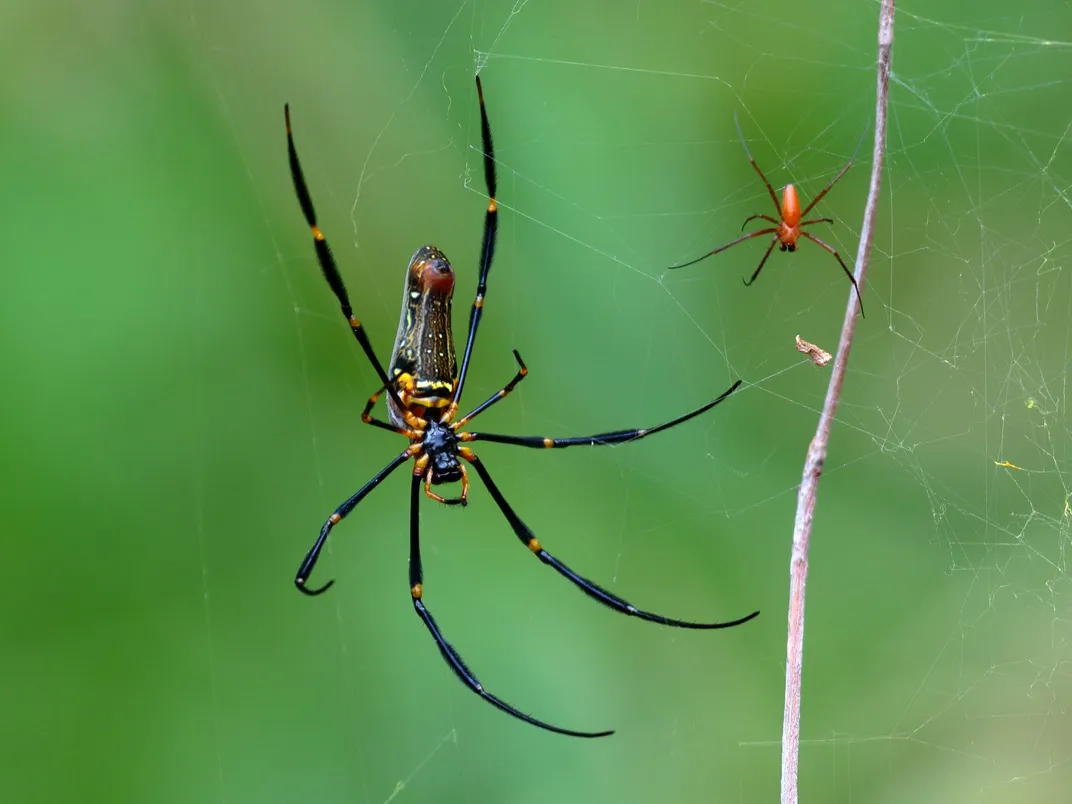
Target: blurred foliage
x=182, y=402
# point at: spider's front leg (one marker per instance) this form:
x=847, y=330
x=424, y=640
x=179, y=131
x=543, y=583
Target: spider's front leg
x=413, y=421
x=522, y=373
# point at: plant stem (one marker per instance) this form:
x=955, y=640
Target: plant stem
x=813, y=463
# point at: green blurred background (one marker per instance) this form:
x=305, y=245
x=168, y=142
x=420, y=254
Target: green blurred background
x=182, y=399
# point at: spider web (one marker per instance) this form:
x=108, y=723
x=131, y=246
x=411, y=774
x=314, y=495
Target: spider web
x=938, y=655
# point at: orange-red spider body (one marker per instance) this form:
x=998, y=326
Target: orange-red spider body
x=788, y=227
x=791, y=208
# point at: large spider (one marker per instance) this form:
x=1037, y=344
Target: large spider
x=788, y=227
x=424, y=388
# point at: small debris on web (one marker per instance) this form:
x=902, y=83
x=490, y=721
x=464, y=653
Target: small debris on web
x=818, y=356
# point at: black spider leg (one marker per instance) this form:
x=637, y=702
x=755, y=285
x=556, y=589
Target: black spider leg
x=487, y=249
x=311, y=557
x=522, y=372
x=416, y=588
x=616, y=437
x=368, y=418
x=528, y=538
x=327, y=261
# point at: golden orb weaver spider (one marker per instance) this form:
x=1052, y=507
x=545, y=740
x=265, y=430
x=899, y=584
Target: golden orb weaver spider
x=424, y=390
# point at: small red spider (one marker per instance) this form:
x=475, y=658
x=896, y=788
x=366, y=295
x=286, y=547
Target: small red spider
x=788, y=227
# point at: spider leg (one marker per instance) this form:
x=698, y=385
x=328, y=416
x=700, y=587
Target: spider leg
x=770, y=190
x=429, y=474
x=740, y=239
x=327, y=261
x=763, y=261
x=313, y=555
x=603, y=439
x=774, y=198
x=522, y=372
x=368, y=418
x=528, y=538
x=766, y=218
x=487, y=249
x=815, y=220
x=416, y=589
x=844, y=267
x=834, y=181
x=825, y=190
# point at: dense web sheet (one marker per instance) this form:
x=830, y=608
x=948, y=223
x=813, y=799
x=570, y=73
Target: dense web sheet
x=946, y=510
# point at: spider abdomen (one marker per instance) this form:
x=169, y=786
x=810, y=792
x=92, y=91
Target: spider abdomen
x=423, y=365
x=790, y=206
